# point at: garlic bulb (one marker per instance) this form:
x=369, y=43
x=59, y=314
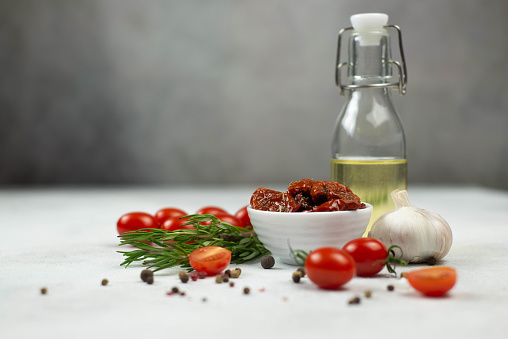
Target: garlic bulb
x=422, y=235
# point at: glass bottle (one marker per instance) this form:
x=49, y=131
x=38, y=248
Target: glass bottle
x=368, y=144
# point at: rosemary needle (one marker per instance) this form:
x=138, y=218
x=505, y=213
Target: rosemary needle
x=160, y=249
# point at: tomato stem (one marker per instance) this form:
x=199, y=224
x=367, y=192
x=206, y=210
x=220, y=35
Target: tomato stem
x=392, y=259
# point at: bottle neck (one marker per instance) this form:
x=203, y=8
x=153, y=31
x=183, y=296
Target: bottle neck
x=369, y=58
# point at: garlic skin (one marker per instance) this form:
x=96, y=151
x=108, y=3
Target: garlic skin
x=421, y=234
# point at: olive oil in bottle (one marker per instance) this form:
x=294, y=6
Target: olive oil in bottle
x=372, y=180
x=368, y=144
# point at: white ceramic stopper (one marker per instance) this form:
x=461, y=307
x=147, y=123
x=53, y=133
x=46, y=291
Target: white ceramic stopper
x=369, y=22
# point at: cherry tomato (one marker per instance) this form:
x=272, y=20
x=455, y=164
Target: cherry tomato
x=167, y=213
x=243, y=217
x=211, y=210
x=368, y=254
x=175, y=223
x=227, y=218
x=210, y=259
x=329, y=267
x=135, y=221
x=432, y=281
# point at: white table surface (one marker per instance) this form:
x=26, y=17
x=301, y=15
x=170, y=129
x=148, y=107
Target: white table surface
x=65, y=239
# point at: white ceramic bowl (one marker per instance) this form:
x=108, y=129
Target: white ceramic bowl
x=307, y=231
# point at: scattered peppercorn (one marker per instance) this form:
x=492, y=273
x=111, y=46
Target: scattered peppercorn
x=296, y=276
x=145, y=274
x=149, y=280
x=184, y=277
x=218, y=279
x=432, y=261
x=202, y=275
x=204, y=300
x=175, y=289
x=368, y=293
x=235, y=273
x=231, y=284
x=246, y=290
x=403, y=274
x=225, y=278
x=267, y=262
x=182, y=294
x=390, y=288
x=194, y=276
x=355, y=300
x=104, y=282
x=301, y=269
x=227, y=272
x=44, y=290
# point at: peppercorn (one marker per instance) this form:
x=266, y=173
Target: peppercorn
x=301, y=269
x=246, y=290
x=145, y=274
x=104, y=282
x=267, y=261
x=228, y=272
x=403, y=274
x=194, y=276
x=218, y=279
x=225, y=278
x=175, y=289
x=184, y=277
x=44, y=290
x=390, y=288
x=368, y=293
x=202, y=275
x=231, y=284
x=149, y=280
x=296, y=276
x=235, y=273
x=355, y=300
x=432, y=261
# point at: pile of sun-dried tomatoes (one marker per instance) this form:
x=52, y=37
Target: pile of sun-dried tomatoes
x=307, y=195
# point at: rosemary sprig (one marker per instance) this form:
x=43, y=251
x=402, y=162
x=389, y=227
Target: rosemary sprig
x=160, y=249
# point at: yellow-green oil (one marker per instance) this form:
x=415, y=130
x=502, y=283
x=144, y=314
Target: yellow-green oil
x=372, y=180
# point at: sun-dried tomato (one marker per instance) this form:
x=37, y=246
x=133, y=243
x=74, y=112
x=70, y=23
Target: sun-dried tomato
x=307, y=195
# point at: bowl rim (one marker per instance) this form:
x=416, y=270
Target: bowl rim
x=368, y=207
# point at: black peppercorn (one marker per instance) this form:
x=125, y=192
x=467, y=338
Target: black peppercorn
x=267, y=261
x=246, y=290
x=44, y=290
x=390, y=288
x=145, y=274
x=104, y=282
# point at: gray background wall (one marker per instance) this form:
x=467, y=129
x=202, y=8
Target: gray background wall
x=240, y=92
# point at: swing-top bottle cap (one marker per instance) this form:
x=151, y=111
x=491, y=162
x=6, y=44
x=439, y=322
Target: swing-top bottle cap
x=369, y=22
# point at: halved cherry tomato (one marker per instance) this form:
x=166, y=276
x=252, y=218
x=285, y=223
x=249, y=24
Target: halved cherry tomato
x=368, y=254
x=167, y=213
x=433, y=281
x=175, y=223
x=210, y=259
x=211, y=210
x=243, y=217
x=135, y=221
x=329, y=267
x=226, y=218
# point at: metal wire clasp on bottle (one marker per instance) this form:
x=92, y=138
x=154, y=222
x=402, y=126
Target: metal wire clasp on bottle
x=401, y=65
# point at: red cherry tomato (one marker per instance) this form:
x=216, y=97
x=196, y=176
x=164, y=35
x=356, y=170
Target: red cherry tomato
x=432, y=281
x=210, y=259
x=227, y=218
x=243, y=217
x=135, y=221
x=211, y=210
x=167, y=213
x=368, y=254
x=329, y=267
x=175, y=223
